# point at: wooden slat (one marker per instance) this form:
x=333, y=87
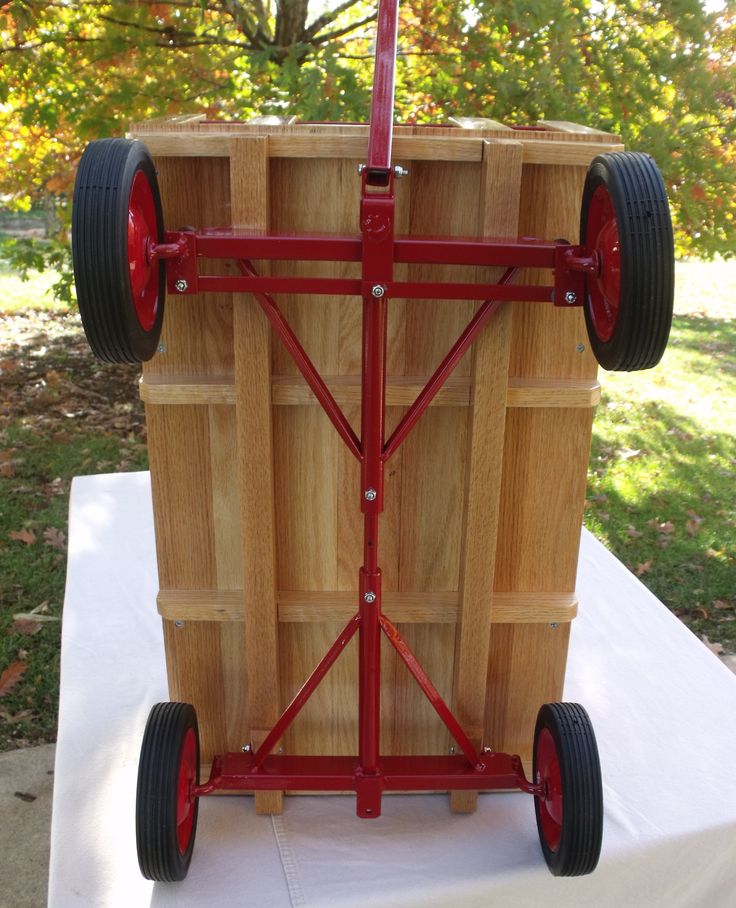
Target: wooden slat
x=401, y=391
x=498, y=216
x=406, y=148
x=577, y=128
x=249, y=189
x=479, y=123
x=310, y=606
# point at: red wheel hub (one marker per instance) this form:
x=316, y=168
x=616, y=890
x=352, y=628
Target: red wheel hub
x=604, y=288
x=185, y=800
x=142, y=234
x=548, y=774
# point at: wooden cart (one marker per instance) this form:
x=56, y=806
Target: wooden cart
x=419, y=364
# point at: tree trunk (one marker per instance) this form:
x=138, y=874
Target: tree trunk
x=291, y=23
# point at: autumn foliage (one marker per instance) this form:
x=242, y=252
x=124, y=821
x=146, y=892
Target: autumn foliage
x=661, y=75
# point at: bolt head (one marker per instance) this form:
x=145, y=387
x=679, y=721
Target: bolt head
x=181, y=285
x=370, y=494
x=378, y=291
x=571, y=297
x=400, y=172
x=369, y=597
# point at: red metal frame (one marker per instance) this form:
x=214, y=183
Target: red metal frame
x=369, y=774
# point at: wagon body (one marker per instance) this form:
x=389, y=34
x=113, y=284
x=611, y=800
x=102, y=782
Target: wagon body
x=258, y=534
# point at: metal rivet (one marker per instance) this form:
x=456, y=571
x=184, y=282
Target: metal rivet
x=571, y=297
x=369, y=596
x=400, y=171
x=580, y=348
x=378, y=291
x=181, y=285
x=370, y=494
x=178, y=624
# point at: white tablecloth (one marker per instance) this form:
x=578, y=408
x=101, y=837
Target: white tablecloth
x=662, y=705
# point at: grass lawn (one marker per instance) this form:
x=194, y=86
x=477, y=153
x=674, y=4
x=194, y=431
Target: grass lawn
x=663, y=463
x=660, y=484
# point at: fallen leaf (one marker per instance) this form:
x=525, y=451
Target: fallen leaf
x=644, y=568
x=26, y=536
x=678, y=433
x=667, y=527
x=629, y=453
x=7, y=467
x=24, y=796
x=11, y=676
x=13, y=718
x=25, y=627
x=633, y=532
x=716, y=648
x=723, y=603
x=53, y=537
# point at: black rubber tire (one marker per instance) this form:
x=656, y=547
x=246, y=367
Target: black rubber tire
x=581, y=832
x=639, y=201
x=102, y=193
x=159, y=855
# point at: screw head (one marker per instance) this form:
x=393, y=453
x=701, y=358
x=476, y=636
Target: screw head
x=580, y=348
x=245, y=748
x=181, y=285
x=571, y=297
x=554, y=625
x=162, y=348
x=369, y=596
x=378, y=291
x=370, y=494
x=400, y=172
x=362, y=168
x=178, y=624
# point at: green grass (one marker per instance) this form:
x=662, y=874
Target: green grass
x=663, y=463
x=17, y=295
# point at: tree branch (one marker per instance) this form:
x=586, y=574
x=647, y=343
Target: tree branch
x=339, y=32
x=328, y=17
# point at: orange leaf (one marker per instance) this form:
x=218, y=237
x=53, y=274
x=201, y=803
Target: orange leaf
x=643, y=568
x=11, y=676
x=26, y=536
